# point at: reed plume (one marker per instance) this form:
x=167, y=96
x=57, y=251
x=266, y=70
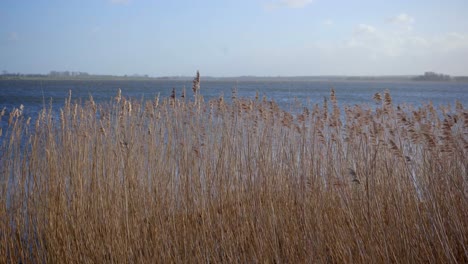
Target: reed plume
x=196, y=83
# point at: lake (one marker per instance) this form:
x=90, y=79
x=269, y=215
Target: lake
x=35, y=94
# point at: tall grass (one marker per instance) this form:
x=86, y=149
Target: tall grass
x=187, y=180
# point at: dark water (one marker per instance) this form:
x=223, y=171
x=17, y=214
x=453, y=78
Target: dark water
x=34, y=95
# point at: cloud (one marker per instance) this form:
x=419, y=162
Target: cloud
x=364, y=29
x=377, y=43
x=402, y=43
x=272, y=5
x=451, y=42
x=295, y=3
x=403, y=20
x=371, y=50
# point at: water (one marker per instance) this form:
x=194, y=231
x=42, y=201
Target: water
x=34, y=95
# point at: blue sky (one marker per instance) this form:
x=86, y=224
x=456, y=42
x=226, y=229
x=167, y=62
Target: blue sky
x=232, y=38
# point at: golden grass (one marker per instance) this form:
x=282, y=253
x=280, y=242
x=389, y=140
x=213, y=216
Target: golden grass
x=179, y=180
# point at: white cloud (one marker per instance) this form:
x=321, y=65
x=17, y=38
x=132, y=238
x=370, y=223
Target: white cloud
x=363, y=29
x=388, y=52
x=402, y=43
x=296, y=3
x=377, y=43
x=371, y=49
x=403, y=20
x=451, y=42
x=272, y=5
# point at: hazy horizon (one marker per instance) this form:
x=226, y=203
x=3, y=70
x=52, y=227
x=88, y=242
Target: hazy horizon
x=263, y=38
x=188, y=76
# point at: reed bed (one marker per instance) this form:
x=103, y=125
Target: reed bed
x=184, y=180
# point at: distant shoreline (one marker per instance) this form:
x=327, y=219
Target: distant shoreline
x=460, y=79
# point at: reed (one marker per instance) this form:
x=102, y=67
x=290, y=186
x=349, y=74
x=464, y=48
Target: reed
x=180, y=180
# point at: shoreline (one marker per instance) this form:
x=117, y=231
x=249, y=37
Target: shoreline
x=239, y=79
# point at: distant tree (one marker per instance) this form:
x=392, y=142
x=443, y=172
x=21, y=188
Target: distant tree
x=433, y=76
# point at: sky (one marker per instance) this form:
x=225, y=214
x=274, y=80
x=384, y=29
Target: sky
x=235, y=37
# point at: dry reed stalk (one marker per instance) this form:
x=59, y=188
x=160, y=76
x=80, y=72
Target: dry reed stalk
x=195, y=181
x=196, y=83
